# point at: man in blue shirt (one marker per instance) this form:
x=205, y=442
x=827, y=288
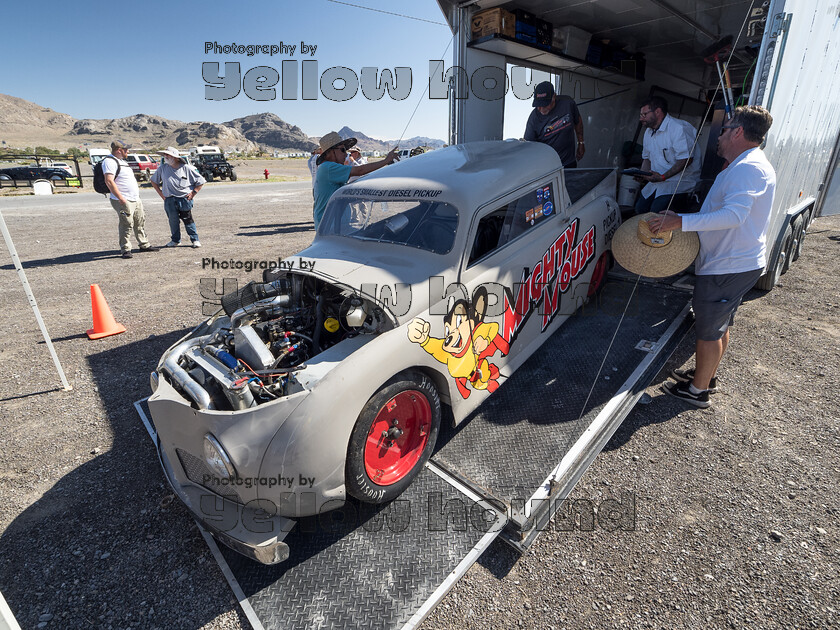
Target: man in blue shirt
x=332, y=173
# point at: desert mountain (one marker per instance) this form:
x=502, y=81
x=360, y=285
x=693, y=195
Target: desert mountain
x=26, y=124
x=366, y=143
x=272, y=131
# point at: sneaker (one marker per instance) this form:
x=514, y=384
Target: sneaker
x=196, y=244
x=686, y=376
x=149, y=248
x=172, y=244
x=127, y=255
x=683, y=392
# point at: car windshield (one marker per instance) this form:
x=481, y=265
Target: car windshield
x=428, y=225
x=213, y=158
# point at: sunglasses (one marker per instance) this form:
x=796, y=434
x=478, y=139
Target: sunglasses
x=725, y=127
x=342, y=149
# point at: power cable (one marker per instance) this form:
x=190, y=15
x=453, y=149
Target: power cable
x=408, y=17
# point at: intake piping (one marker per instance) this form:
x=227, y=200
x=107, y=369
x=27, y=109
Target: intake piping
x=182, y=378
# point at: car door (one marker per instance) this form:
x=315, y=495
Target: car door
x=527, y=253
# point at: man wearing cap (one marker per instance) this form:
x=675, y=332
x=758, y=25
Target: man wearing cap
x=556, y=122
x=732, y=225
x=355, y=158
x=125, y=198
x=671, y=156
x=178, y=183
x=333, y=173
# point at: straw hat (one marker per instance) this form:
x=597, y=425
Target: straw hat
x=332, y=140
x=639, y=250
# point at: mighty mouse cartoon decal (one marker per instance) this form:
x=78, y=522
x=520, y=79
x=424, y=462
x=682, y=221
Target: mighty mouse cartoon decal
x=468, y=344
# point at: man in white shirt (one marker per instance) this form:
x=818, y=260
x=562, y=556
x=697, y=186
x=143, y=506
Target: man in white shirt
x=732, y=226
x=354, y=158
x=125, y=199
x=670, y=155
x=312, y=163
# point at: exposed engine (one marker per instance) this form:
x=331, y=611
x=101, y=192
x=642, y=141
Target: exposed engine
x=271, y=330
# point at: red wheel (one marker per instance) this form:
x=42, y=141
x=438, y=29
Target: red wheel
x=599, y=274
x=397, y=437
x=393, y=438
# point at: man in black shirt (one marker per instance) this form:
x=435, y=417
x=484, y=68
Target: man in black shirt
x=556, y=122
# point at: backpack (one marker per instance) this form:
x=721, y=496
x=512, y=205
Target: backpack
x=99, y=184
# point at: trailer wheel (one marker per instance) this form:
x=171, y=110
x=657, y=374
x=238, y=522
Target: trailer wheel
x=771, y=278
x=806, y=220
x=796, y=234
x=393, y=438
x=599, y=274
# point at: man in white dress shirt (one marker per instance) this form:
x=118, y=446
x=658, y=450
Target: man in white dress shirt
x=732, y=226
x=670, y=155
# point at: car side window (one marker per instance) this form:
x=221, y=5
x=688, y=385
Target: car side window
x=501, y=226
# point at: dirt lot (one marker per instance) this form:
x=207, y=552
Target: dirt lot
x=736, y=506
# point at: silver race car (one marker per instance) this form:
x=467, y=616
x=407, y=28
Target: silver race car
x=428, y=282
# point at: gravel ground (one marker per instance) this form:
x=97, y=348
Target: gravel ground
x=736, y=507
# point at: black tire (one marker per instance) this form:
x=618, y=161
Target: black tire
x=796, y=234
x=408, y=395
x=806, y=220
x=232, y=176
x=148, y=175
x=209, y=177
x=771, y=278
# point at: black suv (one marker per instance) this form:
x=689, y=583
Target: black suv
x=212, y=165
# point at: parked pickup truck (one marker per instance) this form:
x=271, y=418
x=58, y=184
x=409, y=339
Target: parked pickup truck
x=142, y=165
x=365, y=341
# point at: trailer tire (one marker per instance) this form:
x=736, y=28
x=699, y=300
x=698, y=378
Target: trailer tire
x=793, y=243
x=806, y=220
x=393, y=438
x=771, y=278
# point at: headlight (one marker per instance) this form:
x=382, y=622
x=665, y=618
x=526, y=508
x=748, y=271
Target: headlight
x=217, y=459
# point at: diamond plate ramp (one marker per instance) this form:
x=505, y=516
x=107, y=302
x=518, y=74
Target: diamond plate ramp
x=368, y=566
x=517, y=437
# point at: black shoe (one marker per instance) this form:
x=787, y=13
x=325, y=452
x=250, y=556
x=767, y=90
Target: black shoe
x=150, y=249
x=686, y=376
x=683, y=392
x=127, y=255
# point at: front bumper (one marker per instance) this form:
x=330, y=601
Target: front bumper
x=247, y=529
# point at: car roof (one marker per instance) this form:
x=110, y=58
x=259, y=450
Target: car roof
x=465, y=175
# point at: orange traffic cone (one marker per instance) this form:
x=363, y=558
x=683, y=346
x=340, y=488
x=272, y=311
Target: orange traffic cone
x=104, y=324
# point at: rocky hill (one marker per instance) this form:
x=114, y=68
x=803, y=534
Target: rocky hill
x=271, y=131
x=26, y=124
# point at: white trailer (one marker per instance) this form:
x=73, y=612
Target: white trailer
x=786, y=58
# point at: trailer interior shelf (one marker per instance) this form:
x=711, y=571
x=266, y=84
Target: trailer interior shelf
x=514, y=51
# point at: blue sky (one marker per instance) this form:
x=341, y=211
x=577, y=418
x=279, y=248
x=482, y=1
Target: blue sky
x=114, y=59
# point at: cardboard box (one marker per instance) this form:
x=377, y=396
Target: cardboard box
x=493, y=21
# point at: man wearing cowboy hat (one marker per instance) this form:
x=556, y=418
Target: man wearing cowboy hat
x=177, y=183
x=556, y=122
x=732, y=225
x=333, y=173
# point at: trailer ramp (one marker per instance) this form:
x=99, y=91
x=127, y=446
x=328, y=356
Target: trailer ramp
x=505, y=471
